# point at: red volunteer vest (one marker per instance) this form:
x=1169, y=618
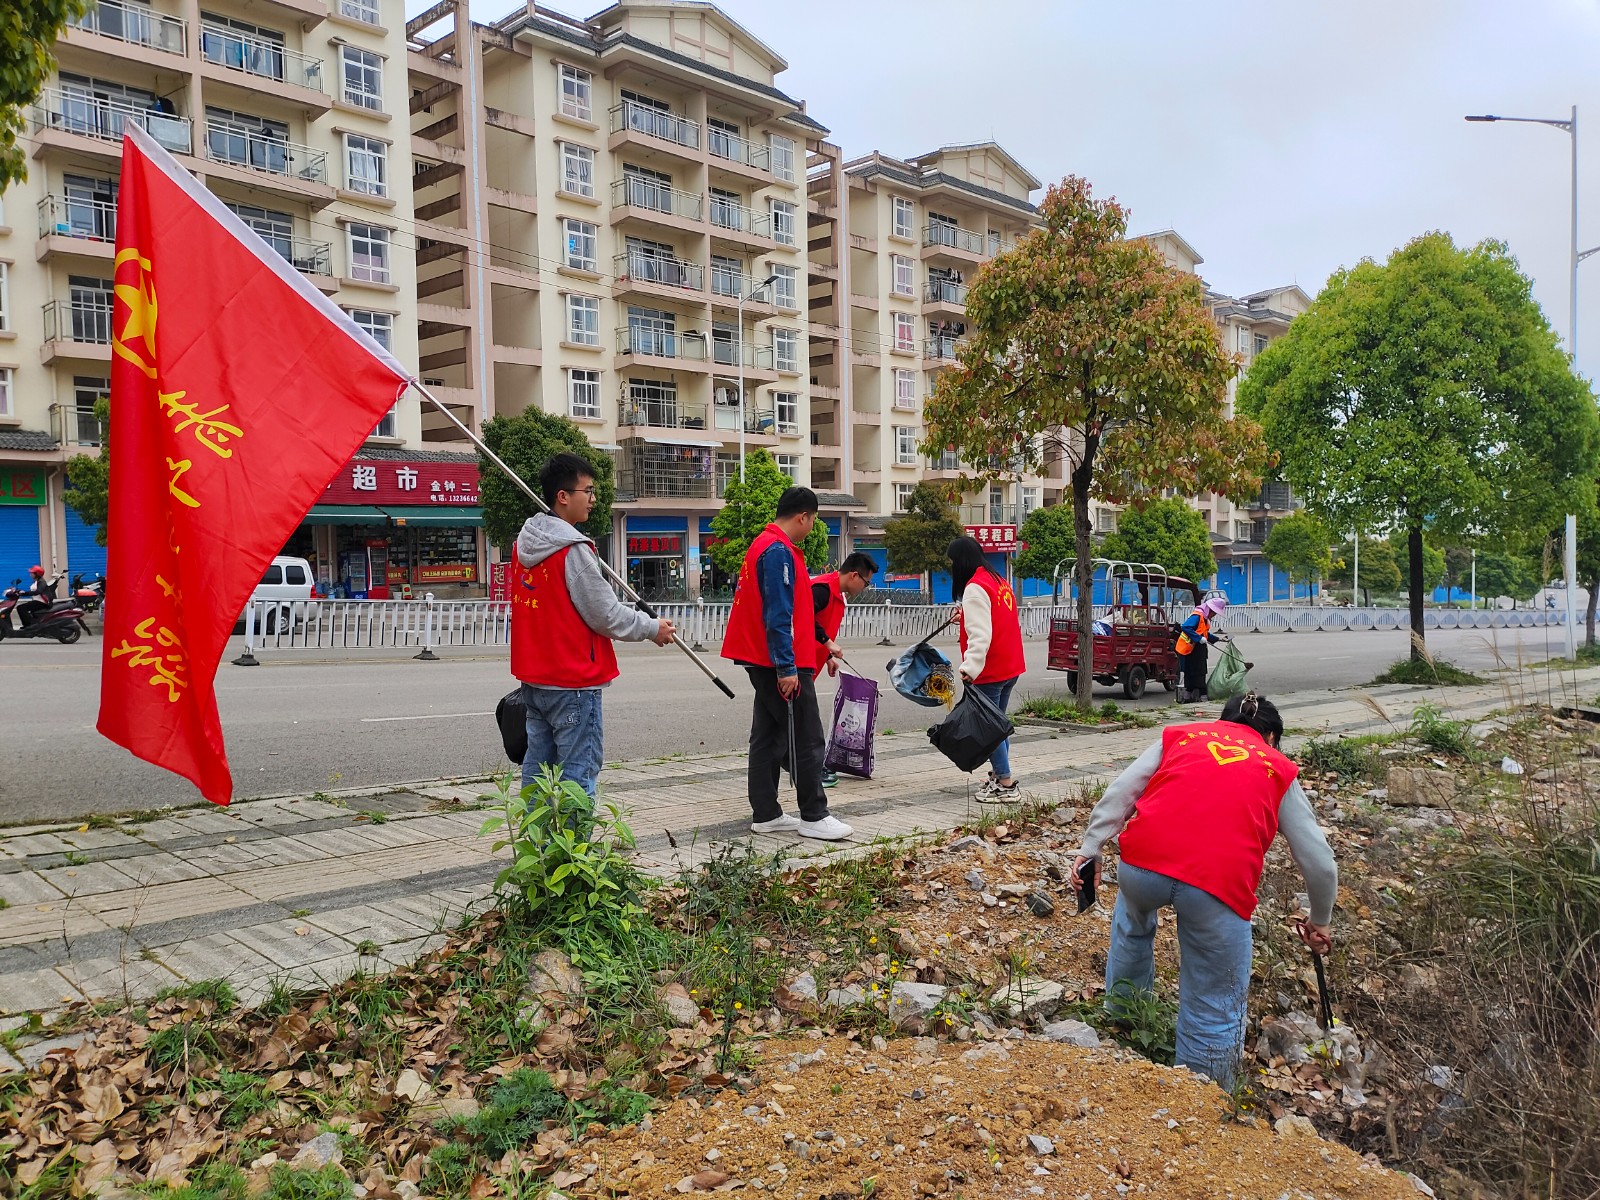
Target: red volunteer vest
x=1211, y=811
x=1005, y=660
x=831, y=617
x=746, y=639
x=550, y=644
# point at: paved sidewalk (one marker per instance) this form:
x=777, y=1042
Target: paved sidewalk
x=308, y=889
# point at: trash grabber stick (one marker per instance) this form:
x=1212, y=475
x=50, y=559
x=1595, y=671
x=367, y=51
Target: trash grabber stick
x=605, y=567
x=794, y=760
x=1322, y=991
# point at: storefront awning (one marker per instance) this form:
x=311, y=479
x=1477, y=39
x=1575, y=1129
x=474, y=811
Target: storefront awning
x=457, y=515
x=345, y=514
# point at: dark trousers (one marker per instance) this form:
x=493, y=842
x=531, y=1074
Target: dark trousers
x=1194, y=670
x=769, y=747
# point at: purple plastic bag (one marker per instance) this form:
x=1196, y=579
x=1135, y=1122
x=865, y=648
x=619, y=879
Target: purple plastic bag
x=855, y=719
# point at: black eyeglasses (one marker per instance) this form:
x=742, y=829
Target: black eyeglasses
x=588, y=491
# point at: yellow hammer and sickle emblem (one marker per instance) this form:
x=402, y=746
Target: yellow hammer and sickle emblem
x=136, y=341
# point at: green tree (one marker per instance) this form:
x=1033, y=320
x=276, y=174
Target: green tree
x=1378, y=571
x=526, y=442
x=1086, y=344
x=1505, y=574
x=1051, y=541
x=1167, y=533
x=28, y=30
x=917, y=541
x=1298, y=546
x=88, y=490
x=1428, y=394
x=749, y=507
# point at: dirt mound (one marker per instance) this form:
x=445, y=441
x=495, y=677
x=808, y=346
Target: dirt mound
x=831, y=1118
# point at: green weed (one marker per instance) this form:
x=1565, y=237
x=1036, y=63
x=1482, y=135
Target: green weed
x=218, y=991
x=1427, y=671
x=1430, y=727
x=183, y=1044
x=1348, y=758
x=329, y=1183
x=243, y=1096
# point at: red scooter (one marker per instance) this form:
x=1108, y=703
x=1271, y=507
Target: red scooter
x=21, y=616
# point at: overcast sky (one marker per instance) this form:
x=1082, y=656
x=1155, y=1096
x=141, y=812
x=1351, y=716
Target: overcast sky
x=1282, y=140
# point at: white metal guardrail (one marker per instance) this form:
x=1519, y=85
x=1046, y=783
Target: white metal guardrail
x=427, y=624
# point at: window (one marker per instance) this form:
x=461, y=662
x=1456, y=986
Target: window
x=5, y=296
x=905, y=389
x=994, y=242
x=360, y=10
x=89, y=302
x=577, y=93
x=789, y=464
x=583, y=320
x=722, y=138
x=239, y=45
x=1242, y=531
x=7, y=406
x=783, y=287
x=1261, y=342
x=582, y=253
x=727, y=209
x=652, y=402
x=1244, y=341
x=997, y=505
x=786, y=406
x=903, y=284
x=905, y=332
x=583, y=394
x=380, y=327
x=782, y=157
x=294, y=575
x=273, y=575
x=905, y=218
x=1105, y=520
x=727, y=276
x=90, y=209
x=652, y=331
x=577, y=169
x=369, y=253
x=786, y=349
x=783, y=222
x=1031, y=499
x=366, y=165
x=905, y=446
x=363, y=77
x=902, y=496
x=86, y=390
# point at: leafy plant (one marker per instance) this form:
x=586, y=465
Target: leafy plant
x=917, y=541
x=218, y=991
x=525, y=441
x=243, y=1096
x=327, y=1183
x=1430, y=727
x=1349, y=758
x=1142, y=1021
x=182, y=1044
x=518, y=1110
x=1427, y=670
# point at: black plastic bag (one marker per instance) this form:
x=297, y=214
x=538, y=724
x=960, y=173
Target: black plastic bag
x=512, y=717
x=972, y=732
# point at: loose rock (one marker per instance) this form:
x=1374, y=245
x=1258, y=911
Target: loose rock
x=1419, y=787
x=1040, y=905
x=1027, y=996
x=1040, y=1145
x=317, y=1153
x=1074, y=1033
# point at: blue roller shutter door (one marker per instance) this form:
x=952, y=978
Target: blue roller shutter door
x=85, y=556
x=19, y=541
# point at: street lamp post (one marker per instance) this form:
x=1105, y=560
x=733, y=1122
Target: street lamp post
x=739, y=353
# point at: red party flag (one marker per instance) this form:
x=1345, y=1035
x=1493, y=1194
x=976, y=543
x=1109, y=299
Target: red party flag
x=238, y=391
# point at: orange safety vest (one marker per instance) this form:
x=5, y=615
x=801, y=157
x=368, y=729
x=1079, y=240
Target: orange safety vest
x=1186, y=644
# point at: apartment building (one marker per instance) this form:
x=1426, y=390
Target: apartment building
x=622, y=239
x=293, y=113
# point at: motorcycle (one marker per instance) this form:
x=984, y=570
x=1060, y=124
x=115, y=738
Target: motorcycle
x=62, y=620
x=90, y=596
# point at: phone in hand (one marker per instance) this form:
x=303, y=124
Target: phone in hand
x=1085, y=886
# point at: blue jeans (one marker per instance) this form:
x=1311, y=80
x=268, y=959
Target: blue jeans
x=564, y=730
x=1000, y=693
x=1213, y=965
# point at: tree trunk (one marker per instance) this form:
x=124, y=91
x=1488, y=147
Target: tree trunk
x=1083, y=569
x=1588, y=617
x=1414, y=553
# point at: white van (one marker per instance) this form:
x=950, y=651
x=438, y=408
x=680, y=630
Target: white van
x=285, y=581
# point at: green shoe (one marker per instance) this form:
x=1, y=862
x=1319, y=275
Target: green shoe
x=829, y=779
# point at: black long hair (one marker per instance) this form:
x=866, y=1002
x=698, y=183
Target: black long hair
x=1258, y=713
x=966, y=556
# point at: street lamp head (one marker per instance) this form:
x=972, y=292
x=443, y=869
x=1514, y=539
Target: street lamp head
x=770, y=279
x=1484, y=117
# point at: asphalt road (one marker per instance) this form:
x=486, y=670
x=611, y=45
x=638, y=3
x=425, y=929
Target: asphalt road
x=299, y=726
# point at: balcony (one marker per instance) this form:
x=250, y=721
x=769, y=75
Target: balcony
x=942, y=349
x=635, y=267
x=104, y=120
x=660, y=343
x=76, y=426
x=725, y=352
x=632, y=121
x=314, y=259
x=93, y=221
x=78, y=328
x=239, y=146
x=136, y=25
x=687, y=476
x=265, y=59
x=650, y=198
x=941, y=236
x=660, y=414
x=945, y=293
x=732, y=221
x=756, y=420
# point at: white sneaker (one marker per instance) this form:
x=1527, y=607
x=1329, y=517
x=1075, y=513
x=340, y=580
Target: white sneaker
x=829, y=829
x=783, y=824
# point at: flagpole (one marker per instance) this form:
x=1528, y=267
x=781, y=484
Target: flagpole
x=605, y=567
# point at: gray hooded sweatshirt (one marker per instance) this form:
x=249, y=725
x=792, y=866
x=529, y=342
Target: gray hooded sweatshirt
x=597, y=604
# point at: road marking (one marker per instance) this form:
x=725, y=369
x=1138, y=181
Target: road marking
x=1336, y=658
x=425, y=717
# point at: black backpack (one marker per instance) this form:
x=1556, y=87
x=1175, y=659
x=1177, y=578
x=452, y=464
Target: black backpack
x=512, y=717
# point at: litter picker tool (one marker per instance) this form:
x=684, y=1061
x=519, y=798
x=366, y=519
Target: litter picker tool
x=605, y=568
x=794, y=761
x=1322, y=990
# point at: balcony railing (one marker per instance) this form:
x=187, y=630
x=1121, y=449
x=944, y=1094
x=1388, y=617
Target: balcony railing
x=637, y=266
x=306, y=256
x=259, y=56
x=242, y=147
x=938, y=233
x=76, y=426
x=728, y=214
x=728, y=282
x=734, y=148
x=670, y=478
x=945, y=349
x=105, y=119
x=652, y=122
x=136, y=25
x=756, y=420
x=661, y=414
x=82, y=319
x=727, y=354
x=659, y=343
x=945, y=291
x=65, y=216
x=634, y=191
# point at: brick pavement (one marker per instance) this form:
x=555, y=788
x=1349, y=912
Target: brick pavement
x=306, y=890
